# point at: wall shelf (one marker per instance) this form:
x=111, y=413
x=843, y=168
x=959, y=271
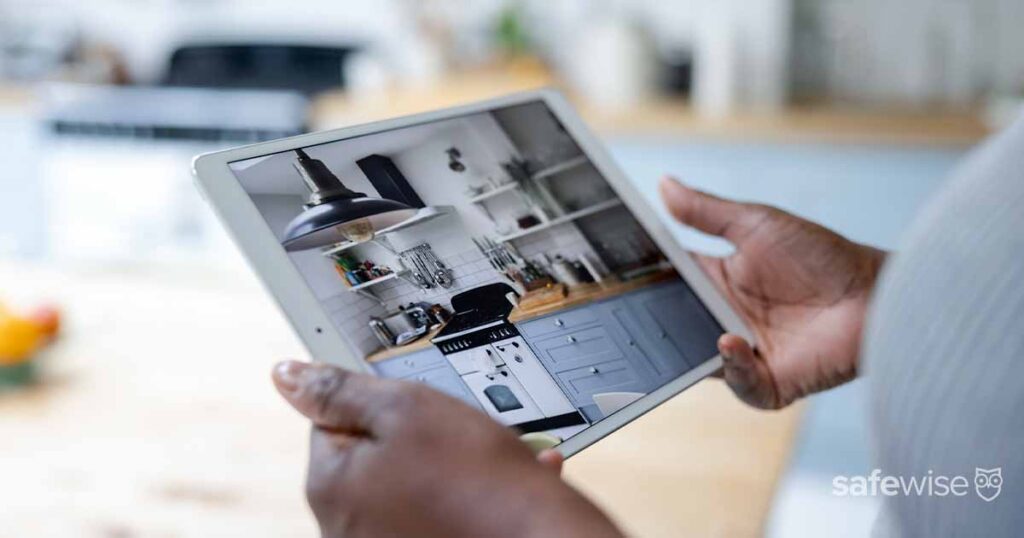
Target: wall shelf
x=552, y=170
x=494, y=192
x=569, y=217
x=390, y=276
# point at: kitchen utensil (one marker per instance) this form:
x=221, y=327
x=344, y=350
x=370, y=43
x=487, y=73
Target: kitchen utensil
x=380, y=330
x=409, y=337
x=442, y=275
x=438, y=315
x=564, y=271
x=419, y=272
x=418, y=314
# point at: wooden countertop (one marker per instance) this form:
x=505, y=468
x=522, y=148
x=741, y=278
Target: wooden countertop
x=386, y=353
x=158, y=418
x=588, y=293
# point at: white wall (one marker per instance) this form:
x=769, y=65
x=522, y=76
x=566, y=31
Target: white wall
x=915, y=52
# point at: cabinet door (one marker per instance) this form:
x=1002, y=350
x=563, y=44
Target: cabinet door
x=404, y=365
x=676, y=327
x=581, y=347
x=612, y=376
x=558, y=323
x=447, y=381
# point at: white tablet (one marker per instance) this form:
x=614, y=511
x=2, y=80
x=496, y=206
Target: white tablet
x=492, y=251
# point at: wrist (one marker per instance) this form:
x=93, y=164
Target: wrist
x=565, y=512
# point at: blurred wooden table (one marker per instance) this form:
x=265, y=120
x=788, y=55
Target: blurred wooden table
x=157, y=418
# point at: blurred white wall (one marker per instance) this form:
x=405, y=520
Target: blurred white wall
x=926, y=52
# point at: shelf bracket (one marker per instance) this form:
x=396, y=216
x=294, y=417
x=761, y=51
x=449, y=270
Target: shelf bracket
x=383, y=243
x=370, y=296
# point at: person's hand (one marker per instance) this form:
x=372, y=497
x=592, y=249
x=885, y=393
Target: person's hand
x=391, y=458
x=801, y=288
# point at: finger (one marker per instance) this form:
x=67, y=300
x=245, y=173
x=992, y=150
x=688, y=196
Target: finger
x=337, y=400
x=325, y=472
x=551, y=459
x=746, y=373
x=705, y=212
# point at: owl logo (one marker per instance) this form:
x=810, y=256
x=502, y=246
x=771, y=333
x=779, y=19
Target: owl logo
x=988, y=483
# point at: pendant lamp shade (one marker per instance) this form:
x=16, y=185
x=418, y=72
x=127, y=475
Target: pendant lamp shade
x=335, y=213
x=322, y=225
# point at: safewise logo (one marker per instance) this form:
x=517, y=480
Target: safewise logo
x=988, y=484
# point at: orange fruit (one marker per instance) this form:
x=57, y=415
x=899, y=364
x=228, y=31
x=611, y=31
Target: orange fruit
x=19, y=339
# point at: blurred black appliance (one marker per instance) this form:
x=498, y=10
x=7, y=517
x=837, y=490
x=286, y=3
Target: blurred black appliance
x=303, y=68
x=187, y=114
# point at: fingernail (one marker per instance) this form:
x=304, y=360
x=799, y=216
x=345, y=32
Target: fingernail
x=288, y=373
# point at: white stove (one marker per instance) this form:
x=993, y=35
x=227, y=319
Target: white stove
x=508, y=380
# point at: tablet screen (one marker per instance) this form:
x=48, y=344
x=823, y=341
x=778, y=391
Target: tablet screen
x=486, y=256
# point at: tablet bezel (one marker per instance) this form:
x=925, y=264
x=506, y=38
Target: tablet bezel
x=296, y=300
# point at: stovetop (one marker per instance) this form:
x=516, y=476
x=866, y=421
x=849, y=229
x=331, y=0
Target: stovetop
x=475, y=336
x=469, y=319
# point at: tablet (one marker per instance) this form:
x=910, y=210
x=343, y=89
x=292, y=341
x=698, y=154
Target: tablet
x=492, y=251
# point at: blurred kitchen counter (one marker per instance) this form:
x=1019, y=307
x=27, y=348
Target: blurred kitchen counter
x=660, y=116
x=157, y=418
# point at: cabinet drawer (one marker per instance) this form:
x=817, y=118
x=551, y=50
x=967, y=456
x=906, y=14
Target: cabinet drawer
x=412, y=363
x=559, y=322
x=572, y=349
x=613, y=376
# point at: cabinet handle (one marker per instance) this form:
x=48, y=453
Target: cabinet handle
x=594, y=370
x=559, y=323
x=408, y=362
x=571, y=339
x=632, y=343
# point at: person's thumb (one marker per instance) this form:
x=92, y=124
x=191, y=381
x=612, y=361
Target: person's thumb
x=705, y=212
x=746, y=373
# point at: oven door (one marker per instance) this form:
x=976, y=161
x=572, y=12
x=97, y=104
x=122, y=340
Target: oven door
x=502, y=396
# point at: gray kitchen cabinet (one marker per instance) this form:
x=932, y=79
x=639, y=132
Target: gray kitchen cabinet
x=559, y=323
x=579, y=347
x=613, y=376
x=412, y=363
x=427, y=366
x=671, y=326
x=445, y=379
x=588, y=353
x=636, y=342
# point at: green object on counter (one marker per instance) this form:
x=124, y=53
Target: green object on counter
x=19, y=374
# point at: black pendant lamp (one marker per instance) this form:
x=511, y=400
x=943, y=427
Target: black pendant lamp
x=334, y=213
